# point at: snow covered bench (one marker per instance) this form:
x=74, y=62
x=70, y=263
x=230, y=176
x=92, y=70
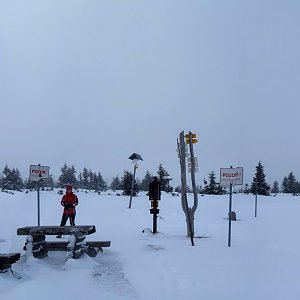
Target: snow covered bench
x=76, y=246
x=6, y=260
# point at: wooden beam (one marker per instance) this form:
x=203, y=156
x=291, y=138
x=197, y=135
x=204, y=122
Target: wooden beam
x=62, y=246
x=99, y=244
x=56, y=230
x=9, y=257
x=6, y=260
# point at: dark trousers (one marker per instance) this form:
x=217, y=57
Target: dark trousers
x=65, y=218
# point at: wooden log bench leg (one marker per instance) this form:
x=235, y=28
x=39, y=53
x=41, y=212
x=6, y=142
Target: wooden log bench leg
x=36, y=245
x=75, y=246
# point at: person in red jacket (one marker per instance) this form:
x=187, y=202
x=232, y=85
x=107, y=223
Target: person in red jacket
x=68, y=201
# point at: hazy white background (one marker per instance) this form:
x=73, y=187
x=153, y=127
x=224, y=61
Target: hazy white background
x=88, y=83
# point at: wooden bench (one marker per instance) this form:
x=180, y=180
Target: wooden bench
x=37, y=244
x=6, y=260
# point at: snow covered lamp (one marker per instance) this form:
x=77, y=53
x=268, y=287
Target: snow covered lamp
x=135, y=158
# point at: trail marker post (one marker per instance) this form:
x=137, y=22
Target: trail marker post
x=184, y=142
x=255, y=206
x=229, y=177
x=154, y=196
x=38, y=173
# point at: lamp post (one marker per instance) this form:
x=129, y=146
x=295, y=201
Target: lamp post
x=135, y=158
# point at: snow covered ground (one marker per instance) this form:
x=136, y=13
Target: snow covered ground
x=263, y=261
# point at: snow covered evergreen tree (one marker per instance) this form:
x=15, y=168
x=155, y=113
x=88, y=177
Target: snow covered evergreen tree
x=275, y=187
x=146, y=180
x=163, y=177
x=80, y=180
x=259, y=182
x=101, y=183
x=126, y=183
x=85, y=179
x=12, y=179
x=211, y=186
x=115, y=183
x=289, y=184
x=91, y=180
x=67, y=176
x=48, y=183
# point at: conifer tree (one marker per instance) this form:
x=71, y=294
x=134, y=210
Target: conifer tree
x=80, y=181
x=12, y=179
x=96, y=183
x=289, y=184
x=62, y=179
x=211, y=186
x=163, y=177
x=284, y=185
x=126, y=183
x=18, y=182
x=48, y=183
x=115, y=184
x=101, y=183
x=91, y=181
x=145, y=182
x=275, y=187
x=72, y=176
x=85, y=179
x=67, y=176
x=259, y=183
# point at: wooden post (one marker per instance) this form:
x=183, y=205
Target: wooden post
x=194, y=207
x=184, y=202
x=132, y=184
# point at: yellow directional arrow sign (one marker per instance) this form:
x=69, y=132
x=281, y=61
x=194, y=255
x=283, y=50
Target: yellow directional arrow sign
x=188, y=135
x=194, y=141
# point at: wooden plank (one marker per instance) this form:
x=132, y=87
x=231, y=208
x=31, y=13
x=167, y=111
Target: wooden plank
x=62, y=246
x=57, y=246
x=98, y=244
x=9, y=258
x=56, y=230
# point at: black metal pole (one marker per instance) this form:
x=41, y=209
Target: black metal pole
x=38, y=201
x=154, y=222
x=229, y=215
x=255, y=213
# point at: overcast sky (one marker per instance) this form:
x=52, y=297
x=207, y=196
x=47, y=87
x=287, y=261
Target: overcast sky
x=88, y=83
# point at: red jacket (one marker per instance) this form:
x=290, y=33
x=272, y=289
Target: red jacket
x=69, y=201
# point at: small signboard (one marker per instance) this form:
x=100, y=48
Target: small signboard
x=38, y=172
x=189, y=164
x=232, y=176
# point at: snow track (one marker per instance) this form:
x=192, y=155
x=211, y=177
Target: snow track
x=109, y=276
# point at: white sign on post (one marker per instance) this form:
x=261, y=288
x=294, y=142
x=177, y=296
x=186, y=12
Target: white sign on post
x=231, y=175
x=38, y=172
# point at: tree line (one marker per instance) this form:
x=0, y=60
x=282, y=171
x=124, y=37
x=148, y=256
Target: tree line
x=90, y=180
x=259, y=184
x=86, y=179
